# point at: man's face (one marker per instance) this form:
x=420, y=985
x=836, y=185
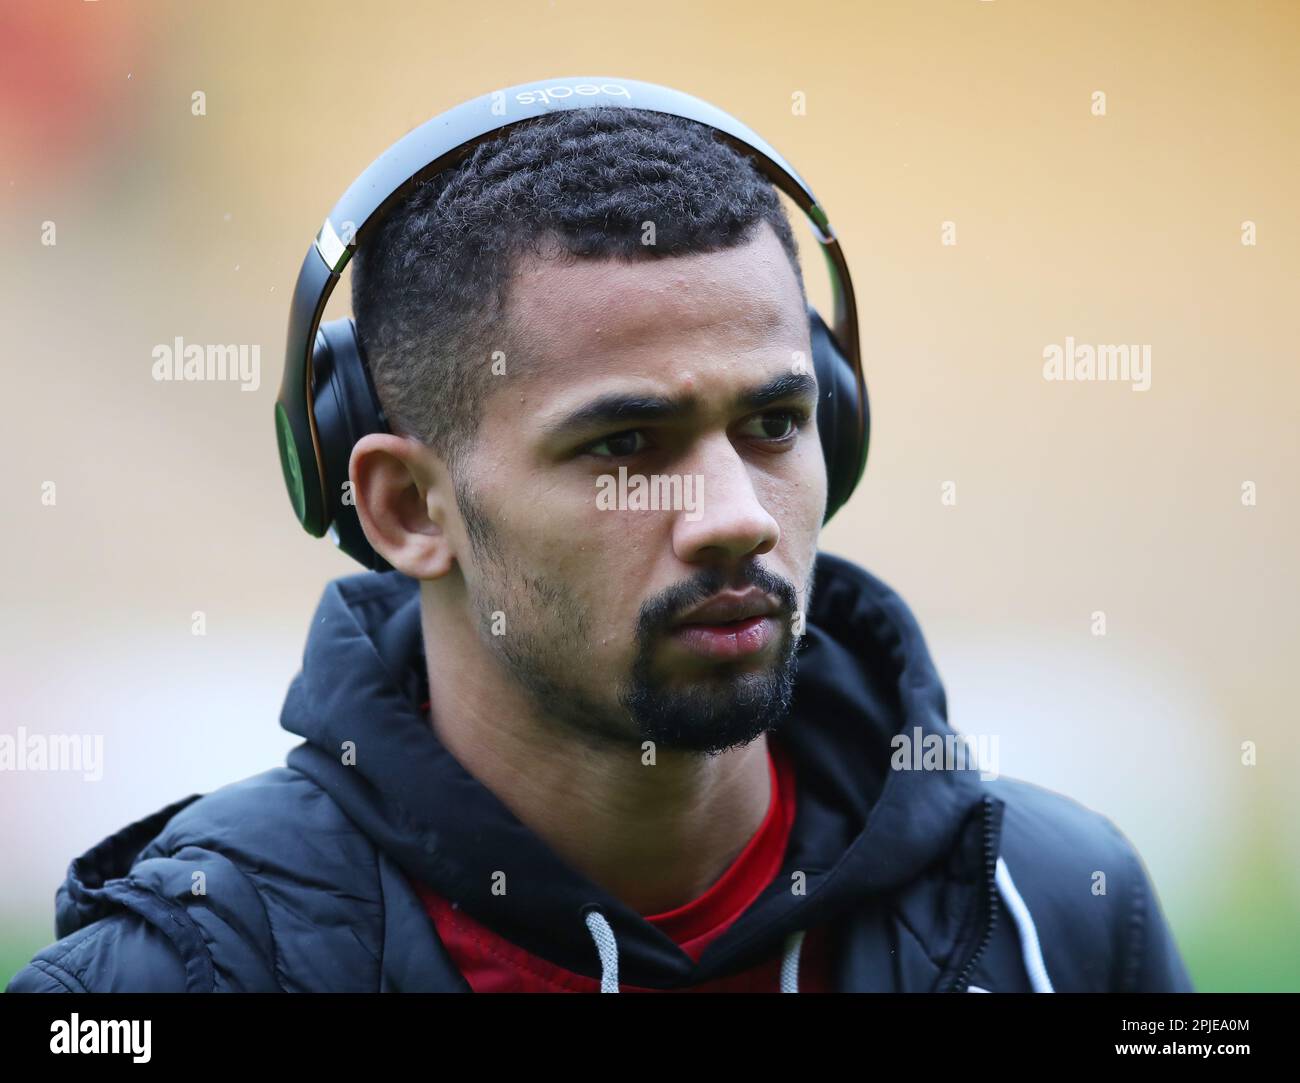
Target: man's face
x=694, y=376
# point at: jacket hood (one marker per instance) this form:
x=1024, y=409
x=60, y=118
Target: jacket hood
x=861, y=829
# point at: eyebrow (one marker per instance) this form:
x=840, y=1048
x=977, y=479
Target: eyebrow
x=614, y=409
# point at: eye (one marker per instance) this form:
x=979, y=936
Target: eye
x=778, y=426
x=618, y=445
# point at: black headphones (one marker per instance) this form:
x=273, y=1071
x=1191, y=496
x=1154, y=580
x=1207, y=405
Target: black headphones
x=327, y=399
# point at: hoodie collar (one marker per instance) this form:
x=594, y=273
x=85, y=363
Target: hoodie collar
x=861, y=829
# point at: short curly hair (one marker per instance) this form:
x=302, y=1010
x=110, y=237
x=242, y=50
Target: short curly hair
x=429, y=286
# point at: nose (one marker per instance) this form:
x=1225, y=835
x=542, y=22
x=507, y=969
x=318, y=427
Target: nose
x=730, y=522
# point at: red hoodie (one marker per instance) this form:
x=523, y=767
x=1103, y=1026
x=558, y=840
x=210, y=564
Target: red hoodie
x=492, y=964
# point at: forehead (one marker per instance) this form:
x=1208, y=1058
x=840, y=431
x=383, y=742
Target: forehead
x=676, y=322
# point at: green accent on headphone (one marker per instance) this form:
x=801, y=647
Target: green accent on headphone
x=289, y=462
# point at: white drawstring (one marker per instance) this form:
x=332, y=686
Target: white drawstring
x=607, y=946
x=1029, y=946
x=607, y=949
x=790, y=963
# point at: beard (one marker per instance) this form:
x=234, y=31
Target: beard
x=731, y=704
x=547, y=650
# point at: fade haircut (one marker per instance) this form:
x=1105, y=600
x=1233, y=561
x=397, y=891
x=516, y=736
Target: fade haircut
x=430, y=285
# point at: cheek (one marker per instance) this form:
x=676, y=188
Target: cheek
x=797, y=501
x=607, y=559
x=581, y=565
x=796, y=496
x=814, y=473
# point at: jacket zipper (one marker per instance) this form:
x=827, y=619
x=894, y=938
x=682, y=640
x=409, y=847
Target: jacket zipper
x=962, y=980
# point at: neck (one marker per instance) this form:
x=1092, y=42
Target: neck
x=653, y=836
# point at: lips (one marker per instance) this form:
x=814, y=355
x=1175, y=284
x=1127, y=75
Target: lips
x=731, y=626
x=732, y=641
x=731, y=608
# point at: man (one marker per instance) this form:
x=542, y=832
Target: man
x=576, y=742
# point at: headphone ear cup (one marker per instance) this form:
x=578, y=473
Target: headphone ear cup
x=843, y=418
x=346, y=408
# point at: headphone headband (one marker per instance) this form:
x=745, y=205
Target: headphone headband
x=439, y=144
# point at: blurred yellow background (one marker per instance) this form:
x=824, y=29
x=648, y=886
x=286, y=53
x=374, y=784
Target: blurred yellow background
x=1072, y=498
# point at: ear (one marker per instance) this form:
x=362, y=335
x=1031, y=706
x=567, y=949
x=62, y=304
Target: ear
x=403, y=494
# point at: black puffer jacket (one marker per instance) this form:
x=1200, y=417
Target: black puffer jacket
x=929, y=879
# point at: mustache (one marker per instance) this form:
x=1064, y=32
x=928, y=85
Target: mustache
x=659, y=613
